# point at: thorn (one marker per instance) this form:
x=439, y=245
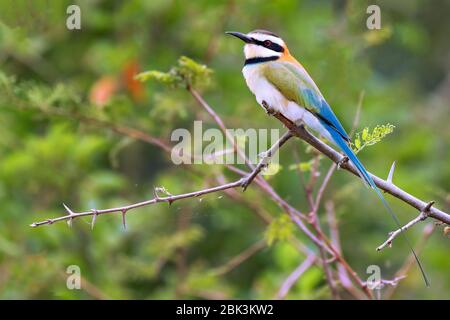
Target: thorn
x=69, y=222
x=68, y=209
x=94, y=218
x=391, y=173
x=428, y=206
x=424, y=213
x=124, y=222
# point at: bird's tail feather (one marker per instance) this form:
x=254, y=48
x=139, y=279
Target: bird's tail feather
x=369, y=181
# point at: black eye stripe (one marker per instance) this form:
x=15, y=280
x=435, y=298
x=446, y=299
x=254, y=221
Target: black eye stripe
x=273, y=46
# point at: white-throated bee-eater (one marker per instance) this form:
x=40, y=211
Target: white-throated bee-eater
x=280, y=82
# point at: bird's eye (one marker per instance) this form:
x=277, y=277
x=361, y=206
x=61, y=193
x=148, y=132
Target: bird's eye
x=267, y=43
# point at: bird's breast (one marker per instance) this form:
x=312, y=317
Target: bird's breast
x=263, y=89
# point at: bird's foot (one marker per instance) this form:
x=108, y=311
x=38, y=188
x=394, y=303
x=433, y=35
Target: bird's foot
x=341, y=162
x=269, y=110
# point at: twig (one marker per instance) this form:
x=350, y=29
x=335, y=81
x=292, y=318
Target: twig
x=295, y=275
x=88, y=287
x=323, y=186
x=385, y=282
x=221, y=125
x=421, y=217
x=265, y=159
x=335, y=238
x=314, y=206
x=409, y=262
x=240, y=258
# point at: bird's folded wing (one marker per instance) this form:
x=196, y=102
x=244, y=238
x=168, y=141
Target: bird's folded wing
x=296, y=85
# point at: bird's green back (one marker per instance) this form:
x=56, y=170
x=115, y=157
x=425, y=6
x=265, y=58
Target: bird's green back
x=296, y=85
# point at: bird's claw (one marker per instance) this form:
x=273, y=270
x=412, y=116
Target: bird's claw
x=269, y=110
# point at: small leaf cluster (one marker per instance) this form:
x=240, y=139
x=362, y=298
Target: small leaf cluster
x=368, y=138
x=186, y=73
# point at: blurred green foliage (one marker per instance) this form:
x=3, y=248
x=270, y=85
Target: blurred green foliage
x=63, y=94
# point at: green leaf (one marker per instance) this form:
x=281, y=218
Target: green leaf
x=364, y=134
x=357, y=143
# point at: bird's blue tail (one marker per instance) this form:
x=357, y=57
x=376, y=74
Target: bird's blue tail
x=341, y=143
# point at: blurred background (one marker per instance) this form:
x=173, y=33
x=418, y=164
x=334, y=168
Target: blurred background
x=52, y=80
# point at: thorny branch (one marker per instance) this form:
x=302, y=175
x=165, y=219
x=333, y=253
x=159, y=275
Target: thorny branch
x=421, y=217
x=125, y=209
x=243, y=182
x=295, y=275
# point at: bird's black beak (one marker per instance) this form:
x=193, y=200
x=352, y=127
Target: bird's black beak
x=241, y=36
